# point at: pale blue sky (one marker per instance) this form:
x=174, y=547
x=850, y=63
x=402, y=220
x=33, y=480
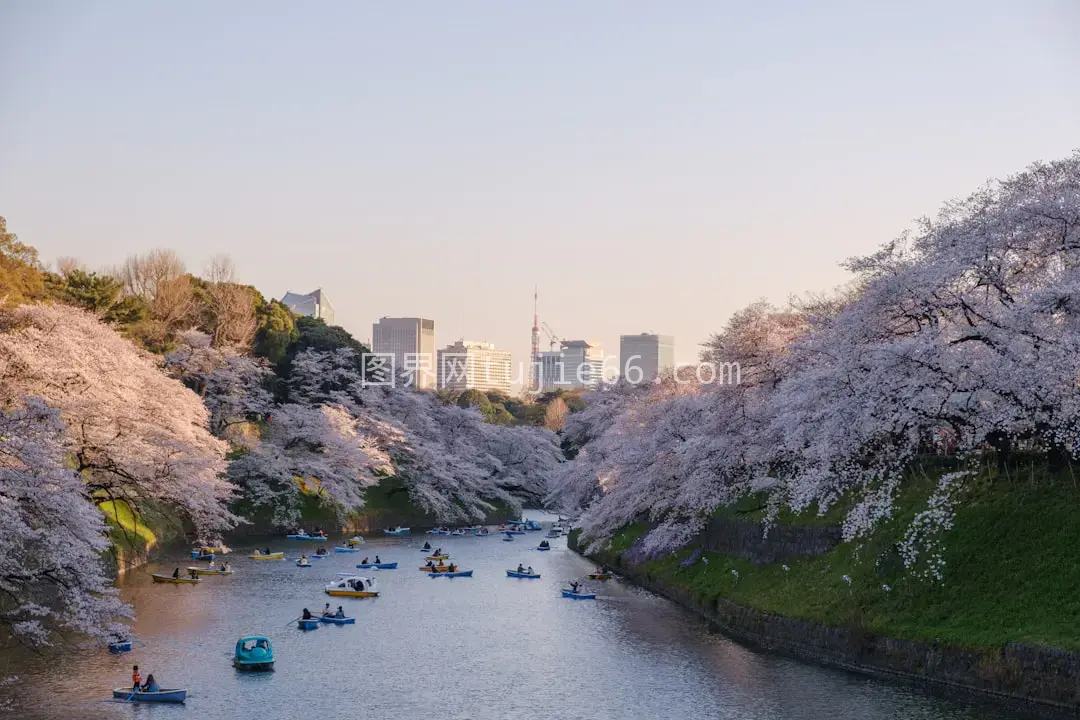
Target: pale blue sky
x=652, y=166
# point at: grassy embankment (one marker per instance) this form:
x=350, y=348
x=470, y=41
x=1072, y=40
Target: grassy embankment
x=1011, y=573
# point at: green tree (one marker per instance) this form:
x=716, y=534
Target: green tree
x=21, y=276
x=277, y=329
x=473, y=398
x=102, y=295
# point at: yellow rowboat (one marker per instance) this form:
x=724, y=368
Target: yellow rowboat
x=436, y=568
x=352, y=593
x=271, y=556
x=174, y=580
x=435, y=558
x=207, y=571
x=212, y=550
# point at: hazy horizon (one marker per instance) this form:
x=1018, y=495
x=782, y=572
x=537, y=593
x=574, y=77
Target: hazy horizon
x=650, y=168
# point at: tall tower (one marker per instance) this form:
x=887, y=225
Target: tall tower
x=535, y=355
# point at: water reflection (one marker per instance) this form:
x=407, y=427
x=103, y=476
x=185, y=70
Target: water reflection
x=486, y=646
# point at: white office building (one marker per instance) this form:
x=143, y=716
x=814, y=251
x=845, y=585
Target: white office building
x=314, y=304
x=411, y=342
x=643, y=357
x=470, y=365
x=578, y=365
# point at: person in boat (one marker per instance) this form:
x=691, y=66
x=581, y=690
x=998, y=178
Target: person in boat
x=193, y=574
x=441, y=563
x=136, y=678
x=452, y=568
x=574, y=587
x=151, y=684
x=427, y=546
x=529, y=571
x=322, y=551
x=430, y=564
x=545, y=543
x=326, y=610
x=364, y=561
x=377, y=560
x=300, y=531
x=211, y=566
x=303, y=558
x=521, y=568
x=306, y=615
x=176, y=573
x=225, y=567
x=340, y=614
x=266, y=551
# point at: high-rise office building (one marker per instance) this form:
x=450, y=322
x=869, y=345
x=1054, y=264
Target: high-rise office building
x=469, y=365
x=578, y=365
x=412, y=343
x=314, y=304
x=643, y=357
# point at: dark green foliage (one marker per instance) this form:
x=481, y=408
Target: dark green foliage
x=277, y=330
x=100, y=294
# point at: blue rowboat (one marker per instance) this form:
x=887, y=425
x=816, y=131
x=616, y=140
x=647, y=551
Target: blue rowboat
x=397, y=531
x=254, y=653
x=207, y=557
x=532, y=525
x=337, y=621
x=307, y=624
x=315, y=538
x=508, y=539
x=380, y=566
x=316, y=557
x=195, y=554
x=120, y=647
x=346, y=549
x=302, y=564
x=578, y=595
x=514, y=532
x=459, y=573
x=542, y=548
x=161, y=696
x=516, y=574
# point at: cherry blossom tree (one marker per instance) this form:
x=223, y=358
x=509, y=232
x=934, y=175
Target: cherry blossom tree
x=134, y=433
x=52, y=538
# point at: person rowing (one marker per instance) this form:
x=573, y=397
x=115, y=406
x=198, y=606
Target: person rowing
x=326, y=610
x=427, y=546
x=377, y=560
x=306, y=615
x=430, y=564
x=452, y=568
x=521, y=568
x=364, y=561
x=574, y=587
x=340, y=614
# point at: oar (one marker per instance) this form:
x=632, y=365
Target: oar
x=294, y=620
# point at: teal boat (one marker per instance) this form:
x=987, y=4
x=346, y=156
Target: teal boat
x=159, y=696
x=254, y=653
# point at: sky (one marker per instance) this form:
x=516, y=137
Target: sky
x=650, y=166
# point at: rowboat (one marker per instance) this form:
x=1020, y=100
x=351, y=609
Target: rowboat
x=122, y=646
x=253, y=652
x=315, y=538
x=457, y=533
x=600, y=576
x=482, y=533
x=161, y=696
x=219, y=549
x=207, y=571
x=553, y=534
x=436, y=558
x=578, y=595
x=337, y=621
x=204, y=557
x=513, y=532
x=456, y=573
x=346, y=549
x=435, y=568
x=307, y=624
x=516, y=574
x=316, y=556
x=532, y=525
x=301, y=563
x=356, y=540
x=355, y=586
x=397, y=531
x=174, y=580
x=543, y=547
x=380, y=566
x=271, y=556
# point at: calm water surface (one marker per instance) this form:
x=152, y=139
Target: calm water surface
x=483, y=647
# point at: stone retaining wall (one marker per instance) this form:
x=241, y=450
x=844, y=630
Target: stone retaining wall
x=746, y=539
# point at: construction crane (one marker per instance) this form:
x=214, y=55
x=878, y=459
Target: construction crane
x=551, y=336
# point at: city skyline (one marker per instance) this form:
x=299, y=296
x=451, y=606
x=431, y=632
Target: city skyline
x=737, y=158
